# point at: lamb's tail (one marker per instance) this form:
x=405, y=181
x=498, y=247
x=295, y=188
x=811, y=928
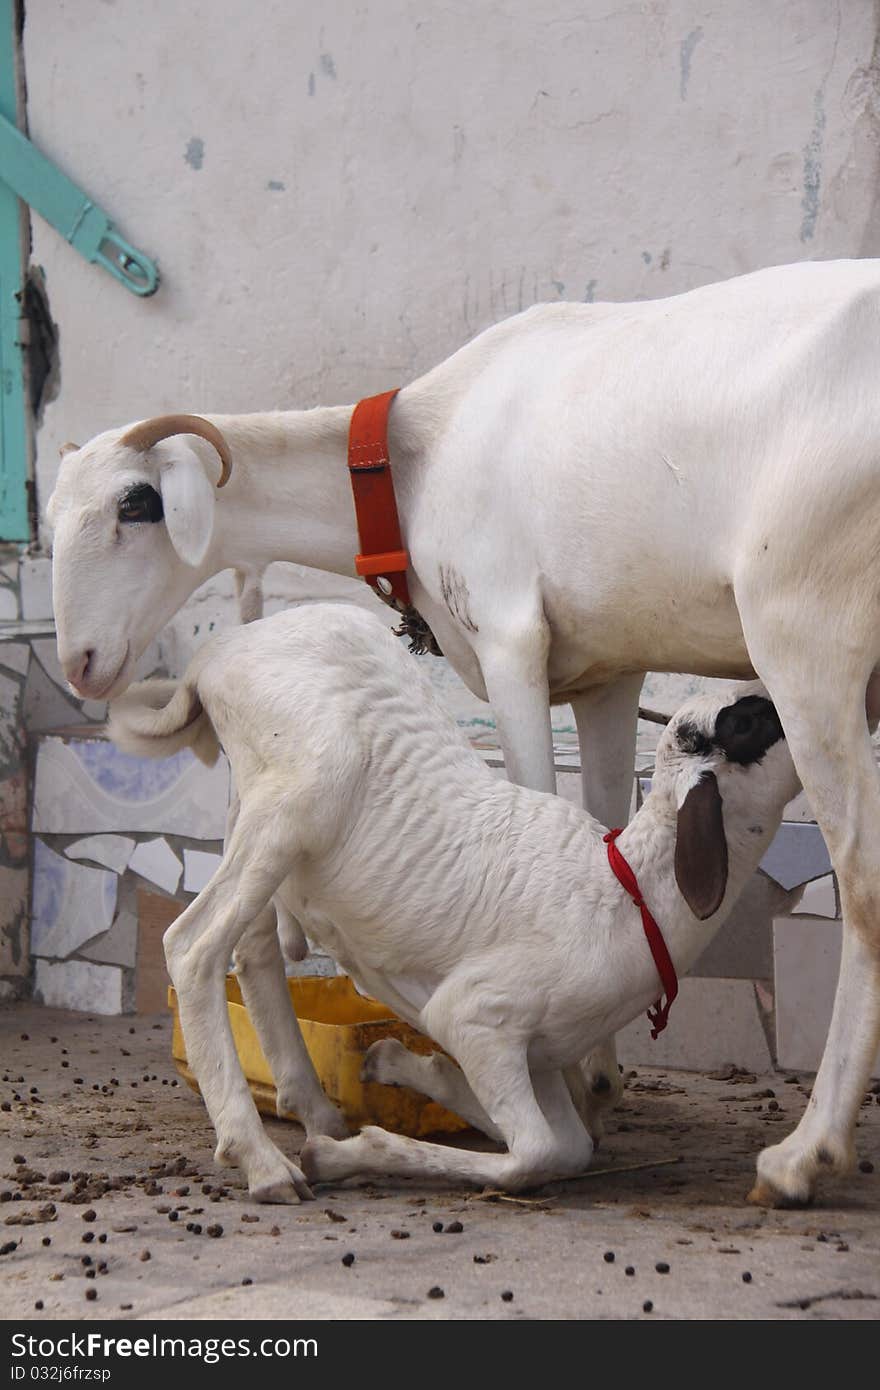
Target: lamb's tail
x=156, y=718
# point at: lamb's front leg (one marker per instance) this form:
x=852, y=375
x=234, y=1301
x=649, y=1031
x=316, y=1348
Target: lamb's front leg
x=197, y=948
x=259, y=964
x=537, y=1121
x=261, y=975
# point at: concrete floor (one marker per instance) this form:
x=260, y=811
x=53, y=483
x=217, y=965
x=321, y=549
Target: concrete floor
x=101, y=1098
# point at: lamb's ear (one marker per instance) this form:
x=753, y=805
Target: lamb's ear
x=701, y=848
x=188, y=504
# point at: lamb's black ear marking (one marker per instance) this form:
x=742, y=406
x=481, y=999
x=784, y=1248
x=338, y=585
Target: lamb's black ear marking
x=747, y=728
x=701, y=848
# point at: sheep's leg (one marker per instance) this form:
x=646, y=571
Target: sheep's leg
x=435, y=1076
x=197, y=948
x=260, y=969
x=820, y=696
x=544, y=1135
x=607, y=720
x=514, y=671
x=291, y=937
x=249, y=592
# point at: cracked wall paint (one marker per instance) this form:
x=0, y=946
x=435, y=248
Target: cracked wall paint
x=195, y=153
x=685, y=56
x=813, y=168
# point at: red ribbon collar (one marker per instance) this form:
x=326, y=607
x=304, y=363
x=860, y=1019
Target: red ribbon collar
x=383, y=559
x=659, y=1015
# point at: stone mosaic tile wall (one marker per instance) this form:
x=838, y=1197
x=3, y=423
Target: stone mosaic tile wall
x=14, y=840
x=84, y=930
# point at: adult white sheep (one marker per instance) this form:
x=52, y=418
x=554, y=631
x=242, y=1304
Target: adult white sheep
x=484, y=913
x=586, y=492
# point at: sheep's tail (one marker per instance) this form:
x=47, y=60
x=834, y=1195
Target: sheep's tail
x=156, y=718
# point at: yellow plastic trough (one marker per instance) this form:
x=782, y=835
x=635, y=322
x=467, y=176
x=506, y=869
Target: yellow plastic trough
x=338, y=1025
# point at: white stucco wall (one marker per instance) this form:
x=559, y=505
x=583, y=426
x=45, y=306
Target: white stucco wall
x=339, y=195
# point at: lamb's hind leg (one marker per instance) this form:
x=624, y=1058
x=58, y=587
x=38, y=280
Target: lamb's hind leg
x=197, y=948
x=261, y=975
x=435, y=1076
x=820, y=695
x=537, y=1121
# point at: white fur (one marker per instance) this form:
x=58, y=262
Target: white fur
x=588, y=492
x=482, y=912
x=188, y=499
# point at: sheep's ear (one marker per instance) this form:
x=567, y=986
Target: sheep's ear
x=188, y=504
x=701, y=848
x=68, y=448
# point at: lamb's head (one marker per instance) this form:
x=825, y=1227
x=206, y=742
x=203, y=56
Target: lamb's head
x=132, y=517
x=724, y=765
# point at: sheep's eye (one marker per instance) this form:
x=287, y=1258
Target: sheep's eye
x=141, y=504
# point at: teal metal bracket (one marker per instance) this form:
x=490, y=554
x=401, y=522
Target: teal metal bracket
x=38, y=182
x=14, y=441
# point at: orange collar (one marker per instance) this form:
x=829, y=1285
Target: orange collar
x=383, y=560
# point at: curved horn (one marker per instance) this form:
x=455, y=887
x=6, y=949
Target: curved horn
x=149, y=432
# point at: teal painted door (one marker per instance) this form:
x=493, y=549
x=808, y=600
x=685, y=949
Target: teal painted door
x=14, y=525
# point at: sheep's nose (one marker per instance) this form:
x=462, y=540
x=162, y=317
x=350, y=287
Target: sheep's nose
x=76, y=668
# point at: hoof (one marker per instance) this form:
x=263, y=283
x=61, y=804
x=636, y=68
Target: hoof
x=278, y=1181
x=763, y=1194
x=331, y=1160
x=315, y=1157
x=787, y=1172
x=382, y=1061
x=284, y=1192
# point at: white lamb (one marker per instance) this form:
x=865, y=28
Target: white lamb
x=484, y=913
